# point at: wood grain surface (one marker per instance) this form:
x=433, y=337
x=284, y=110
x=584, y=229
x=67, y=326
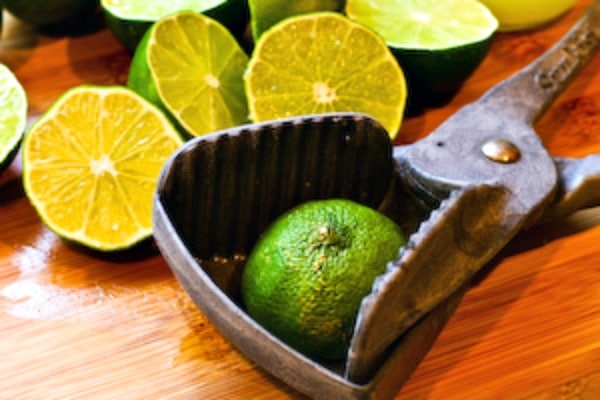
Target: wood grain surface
x=79, y=325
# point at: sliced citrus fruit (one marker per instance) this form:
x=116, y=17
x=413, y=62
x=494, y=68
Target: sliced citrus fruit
x=323, y=62
x=438, y=43
x=309, y=271
x=91, y=163
x=266, y=13
x=130, y=19
x=191, y=66
x=13, y=115
x=50, y=12
x=516, y=14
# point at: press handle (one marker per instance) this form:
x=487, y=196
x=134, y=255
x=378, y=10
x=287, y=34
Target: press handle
x=579, y=186
x=527, y=94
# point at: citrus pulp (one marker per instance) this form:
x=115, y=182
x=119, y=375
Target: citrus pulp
x=323, y=62
x=91, y=163
x=191, y=66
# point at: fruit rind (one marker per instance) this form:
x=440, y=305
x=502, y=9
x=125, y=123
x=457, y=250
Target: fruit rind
x=129, y=28
x=45, y=13
x=436, y=58
x=305, y=278
x=264, y=14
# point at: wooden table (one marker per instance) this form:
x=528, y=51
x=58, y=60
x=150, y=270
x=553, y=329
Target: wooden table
x=77, y=325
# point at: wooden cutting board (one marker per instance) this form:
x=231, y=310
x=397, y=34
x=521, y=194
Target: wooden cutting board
x=78, y=325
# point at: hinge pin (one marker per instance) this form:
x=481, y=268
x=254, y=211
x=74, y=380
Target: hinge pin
x=501, y=151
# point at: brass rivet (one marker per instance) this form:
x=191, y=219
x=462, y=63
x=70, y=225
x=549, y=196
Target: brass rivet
x=501, y=150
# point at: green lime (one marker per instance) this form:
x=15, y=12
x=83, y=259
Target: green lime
x=130, y=19
x=13, y=116
x=438, y=43
x=306, y=276
x=91, y=163
x=192, y=67
x=323, y=62
x=266, y=13
x=49, y=12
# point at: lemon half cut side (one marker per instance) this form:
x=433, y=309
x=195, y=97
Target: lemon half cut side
x=91, y=165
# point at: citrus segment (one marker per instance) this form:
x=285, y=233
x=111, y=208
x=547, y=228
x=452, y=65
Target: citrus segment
x=266, y=13
x=129, y=20
x=323, y=62
x=13, y=115
x=190, y=65
x=90, y=165
x=306, y=277
x=438, y=43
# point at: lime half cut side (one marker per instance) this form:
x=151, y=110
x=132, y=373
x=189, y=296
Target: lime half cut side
x=323, y=62
x=192, y=67
x=439, y=43
x=129, y=20
x=13, y=115
x=425, y=24
x=91, y=164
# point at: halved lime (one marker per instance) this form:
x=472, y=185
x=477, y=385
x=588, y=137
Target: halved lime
x=438, y=43
x=130, y=19
x=91, y=163
x=13, y=115
x=323, y=62
x=266, y=13
x=50, y=12
x=190, y=65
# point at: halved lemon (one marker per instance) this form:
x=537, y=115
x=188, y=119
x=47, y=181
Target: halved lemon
x=91, y=164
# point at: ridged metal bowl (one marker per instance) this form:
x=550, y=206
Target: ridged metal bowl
x=217, y=194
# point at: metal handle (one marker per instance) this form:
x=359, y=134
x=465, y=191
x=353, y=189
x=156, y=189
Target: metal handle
x=526, y=95
x=579, y=185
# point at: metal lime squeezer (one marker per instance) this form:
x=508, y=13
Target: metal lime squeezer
x=460, y=194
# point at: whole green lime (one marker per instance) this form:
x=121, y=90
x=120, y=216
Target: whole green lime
x=50, y=12
x=306, y=277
